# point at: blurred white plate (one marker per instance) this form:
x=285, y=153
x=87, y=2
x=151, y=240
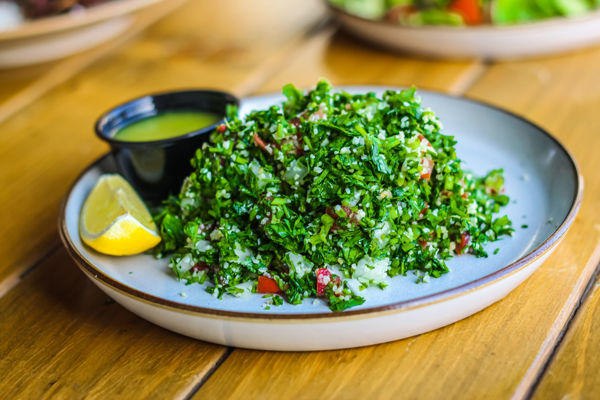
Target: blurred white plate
x=58, y=36
x=487, y=137
x=487, y=41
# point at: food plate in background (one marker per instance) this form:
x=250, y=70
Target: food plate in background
x=54, y=37
x=542, y=181
x=532, y=39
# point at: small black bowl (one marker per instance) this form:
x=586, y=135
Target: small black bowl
x=157, y=168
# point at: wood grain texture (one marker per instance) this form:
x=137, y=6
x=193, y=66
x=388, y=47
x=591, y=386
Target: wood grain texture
x=573, y=373
x=49, y=142
x=61, y=337
x=500, y=352
x=560, y=94
x=21, y=86
x=58, y=339
x=344, y=61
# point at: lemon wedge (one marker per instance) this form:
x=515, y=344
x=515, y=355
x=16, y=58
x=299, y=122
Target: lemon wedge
x=115, y=221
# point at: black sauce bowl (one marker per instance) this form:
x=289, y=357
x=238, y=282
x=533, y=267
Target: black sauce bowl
x=157, y=168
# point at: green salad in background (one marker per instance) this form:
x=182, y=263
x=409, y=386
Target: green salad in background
x=325, y=195
x=465, y=12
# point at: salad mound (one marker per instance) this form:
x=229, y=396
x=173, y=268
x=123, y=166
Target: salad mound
x=325, y=195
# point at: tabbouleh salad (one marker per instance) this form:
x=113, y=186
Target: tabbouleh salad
x=325, y=195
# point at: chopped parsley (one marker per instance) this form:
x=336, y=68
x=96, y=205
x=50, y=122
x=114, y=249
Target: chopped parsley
x=325, y=195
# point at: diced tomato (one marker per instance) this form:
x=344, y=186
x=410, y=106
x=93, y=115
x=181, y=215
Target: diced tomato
x=352, y=215
x=494, y=191
x=335, y=227
x=331, y=213
x=469, y=9
x=295, y=121
x=222, y=128
x=424, y=139
x=267, y=285
x=423, y=243
x=427, y=165
x=298, y=144
x=200, y=266
x=423, y=211
x=323, y=279
x=259, y=142
x=465, y=238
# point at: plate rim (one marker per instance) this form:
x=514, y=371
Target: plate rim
x=400, y=306
x=487, y=28
x=58, y=23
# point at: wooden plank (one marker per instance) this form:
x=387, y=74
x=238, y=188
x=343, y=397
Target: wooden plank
x=499, y=352
x=46, y=145
x=573, y=373
x=344, y=61
x=60, y=337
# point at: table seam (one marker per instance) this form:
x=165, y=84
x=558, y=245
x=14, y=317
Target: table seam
x=13, y=279
x=545, y=364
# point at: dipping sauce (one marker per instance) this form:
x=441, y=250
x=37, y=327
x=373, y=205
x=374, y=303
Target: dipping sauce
x=166, y=125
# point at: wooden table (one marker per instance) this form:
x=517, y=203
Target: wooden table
x=60, y=337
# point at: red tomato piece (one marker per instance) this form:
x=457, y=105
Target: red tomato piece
x=427, y=164
x=469, y=9
x=423, y=212
x=335, y=228
x=323, y=279
x=222, y=128
x=200, y=266
x=331, y=213
x=295, y=121
x=259, y=142
x=267, y=285
x=424, y=139
x=465, y=238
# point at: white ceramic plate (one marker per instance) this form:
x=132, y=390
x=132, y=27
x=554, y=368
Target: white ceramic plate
x=55, y=37
x=541, y=179
x=487, y=41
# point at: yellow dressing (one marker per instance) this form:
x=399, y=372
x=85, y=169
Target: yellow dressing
x=166, y=125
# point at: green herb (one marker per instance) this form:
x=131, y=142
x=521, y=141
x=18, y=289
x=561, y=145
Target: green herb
x=524, y=226
x=277, y=300
x=366, y=187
